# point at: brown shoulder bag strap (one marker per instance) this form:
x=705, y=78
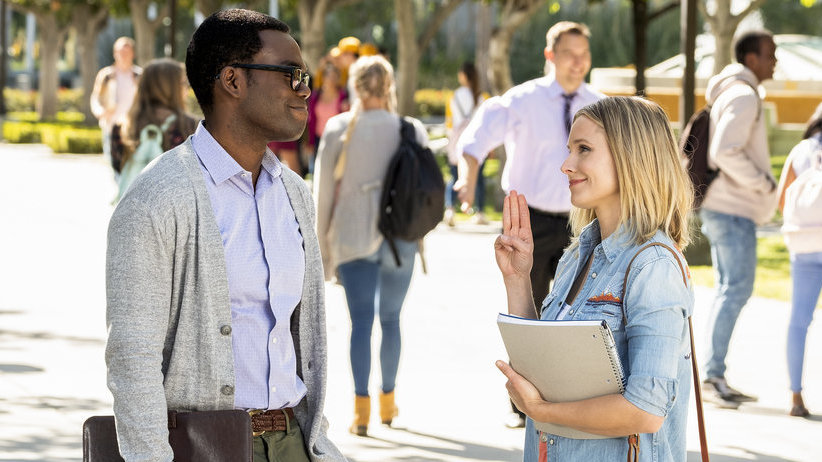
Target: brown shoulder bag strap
x=703, y=441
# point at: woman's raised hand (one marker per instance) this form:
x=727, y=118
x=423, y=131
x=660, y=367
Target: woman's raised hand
x=514, y=248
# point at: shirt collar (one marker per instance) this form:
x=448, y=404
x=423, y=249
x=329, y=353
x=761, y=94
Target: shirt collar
x=612, y=246
x=556, y=91
x=218, y=162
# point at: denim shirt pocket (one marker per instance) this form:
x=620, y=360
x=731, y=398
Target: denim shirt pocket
x=606, y=304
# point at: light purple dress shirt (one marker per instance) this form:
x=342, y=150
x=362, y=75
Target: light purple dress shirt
x=265, y=263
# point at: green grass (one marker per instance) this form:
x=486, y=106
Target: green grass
x=773, y=271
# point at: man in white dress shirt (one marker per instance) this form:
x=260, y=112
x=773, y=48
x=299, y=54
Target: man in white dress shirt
x=532, y=120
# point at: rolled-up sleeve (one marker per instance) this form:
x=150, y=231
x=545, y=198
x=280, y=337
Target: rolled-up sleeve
x=486, y=130
x=657, y=305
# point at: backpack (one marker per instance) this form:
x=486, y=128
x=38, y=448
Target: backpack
x=693, y=145
x=802, y=213
x=413, y=195
x=150, y=147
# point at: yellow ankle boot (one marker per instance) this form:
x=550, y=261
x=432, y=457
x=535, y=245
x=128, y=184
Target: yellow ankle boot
x=388, y=410
x=362, y=413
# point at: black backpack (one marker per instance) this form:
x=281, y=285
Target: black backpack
x=413, y=194
x=693, y=145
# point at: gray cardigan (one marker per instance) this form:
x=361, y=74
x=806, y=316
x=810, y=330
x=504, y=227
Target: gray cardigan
x=168, y=308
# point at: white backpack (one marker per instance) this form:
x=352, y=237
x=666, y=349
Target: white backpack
x=802, y=213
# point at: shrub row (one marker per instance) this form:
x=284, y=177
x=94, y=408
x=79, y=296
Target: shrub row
x=430, y=102
x=67, y=134
x=68, y=99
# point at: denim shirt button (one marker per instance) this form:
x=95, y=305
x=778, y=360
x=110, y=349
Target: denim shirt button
x=571, y=312
x=594, y=275
x=551, y=441
x=543, y=437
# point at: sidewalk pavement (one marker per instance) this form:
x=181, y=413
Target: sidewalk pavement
x=452, y=400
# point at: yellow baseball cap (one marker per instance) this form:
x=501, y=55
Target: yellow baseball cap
x=349, y=45
x=368, y=49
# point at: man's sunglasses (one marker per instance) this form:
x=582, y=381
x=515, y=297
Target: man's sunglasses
x=298, y=76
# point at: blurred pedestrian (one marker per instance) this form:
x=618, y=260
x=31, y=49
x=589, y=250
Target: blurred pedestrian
x=159, y=102
x=113, y=93
x=327, y=101
x=354, y=154
x=462, y=105
x=628, y=190
x=742, y=196
x=804, y=240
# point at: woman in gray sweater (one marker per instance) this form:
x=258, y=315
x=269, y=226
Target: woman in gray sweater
x=355, y=150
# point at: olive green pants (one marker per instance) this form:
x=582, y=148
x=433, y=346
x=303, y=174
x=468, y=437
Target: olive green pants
x=285, y=446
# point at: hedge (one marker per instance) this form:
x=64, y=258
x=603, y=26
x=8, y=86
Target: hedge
x=65, y=135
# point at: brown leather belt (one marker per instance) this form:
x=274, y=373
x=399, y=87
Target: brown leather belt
x=274, y=420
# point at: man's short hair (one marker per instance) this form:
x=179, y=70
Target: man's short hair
x=123, y=41
x=750, y=42
x=226, y=37
x=565, y=27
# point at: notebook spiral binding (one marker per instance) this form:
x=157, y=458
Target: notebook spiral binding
x=613, y=356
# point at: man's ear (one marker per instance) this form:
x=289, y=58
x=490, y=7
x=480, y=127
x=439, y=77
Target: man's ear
x=231, y=81
x=549, y=54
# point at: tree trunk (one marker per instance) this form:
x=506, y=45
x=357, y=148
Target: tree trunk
x=407, y=56
x=52, y=37
x=88, y=24
x=311, y=15
x=482, y=59
x=145, y=30
x=514, y=14
x=723, y=26
x=498, y=55
x=640, y=9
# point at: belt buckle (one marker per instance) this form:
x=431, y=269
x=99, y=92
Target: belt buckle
x=252, y=413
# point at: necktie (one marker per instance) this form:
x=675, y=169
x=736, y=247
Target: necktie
x=568, y=98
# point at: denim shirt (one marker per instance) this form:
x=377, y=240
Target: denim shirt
x=654, y=345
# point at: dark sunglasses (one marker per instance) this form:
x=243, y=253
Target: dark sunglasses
x=298, y=76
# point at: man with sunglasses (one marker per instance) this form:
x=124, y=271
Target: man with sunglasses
x=214, y=276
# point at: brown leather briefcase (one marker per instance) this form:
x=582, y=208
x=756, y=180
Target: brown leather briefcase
x=203, y=436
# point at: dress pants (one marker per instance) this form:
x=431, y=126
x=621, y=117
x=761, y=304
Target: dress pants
x=551, y=237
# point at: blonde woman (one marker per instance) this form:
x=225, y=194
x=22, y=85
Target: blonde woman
x=628, y=190
x=355, y=150
x=159, y=101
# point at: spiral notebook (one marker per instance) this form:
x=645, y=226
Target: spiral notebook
x=565, y=360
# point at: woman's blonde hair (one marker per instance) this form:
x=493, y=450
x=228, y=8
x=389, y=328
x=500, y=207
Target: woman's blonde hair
x=160, y=87
x=654, y=189
x=373, y=77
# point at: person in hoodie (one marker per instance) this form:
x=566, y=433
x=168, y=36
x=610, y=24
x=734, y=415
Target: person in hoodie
x=740, y=198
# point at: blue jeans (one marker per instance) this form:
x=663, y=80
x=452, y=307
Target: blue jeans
x=376, y=285
x=733, y=251
x=479, y=191
x=806, y=271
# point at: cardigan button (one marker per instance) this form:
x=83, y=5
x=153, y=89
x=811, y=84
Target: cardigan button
x=225, y=330
x=227, y=390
